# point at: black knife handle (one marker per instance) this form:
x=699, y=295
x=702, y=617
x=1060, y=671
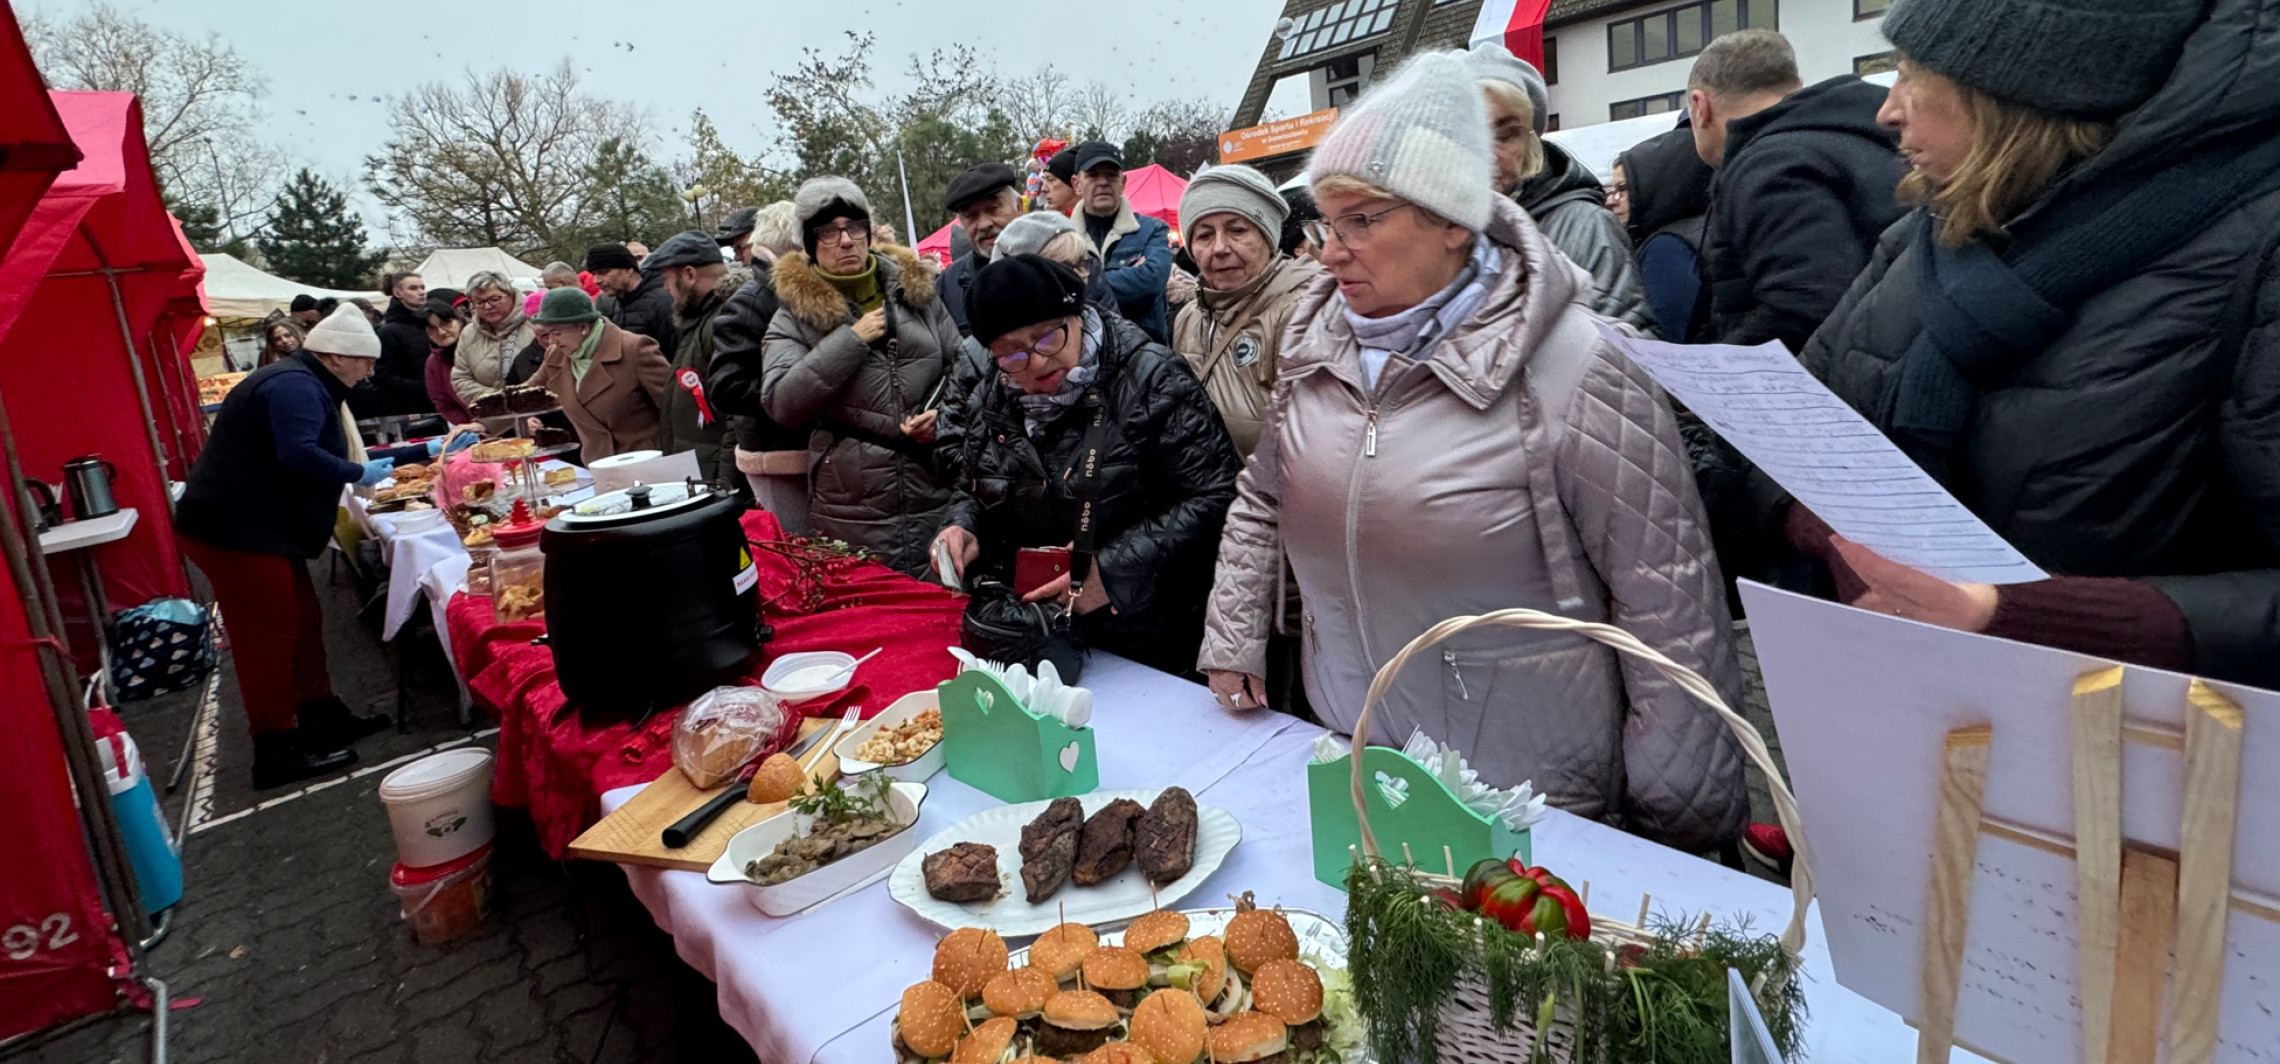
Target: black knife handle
x=689, y=826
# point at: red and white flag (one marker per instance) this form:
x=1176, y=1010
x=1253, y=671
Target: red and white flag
x=1518, y=25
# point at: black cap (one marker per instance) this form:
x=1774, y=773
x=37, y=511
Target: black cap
x=686, y=248
x=977, y=183
x=610, y=257
x=1092, y=153
x=1018, y=292
x=1063, y=165
x=737, y=224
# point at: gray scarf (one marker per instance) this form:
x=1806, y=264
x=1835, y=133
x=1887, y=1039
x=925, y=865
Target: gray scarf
x=1039, y=411
x=1412, y=333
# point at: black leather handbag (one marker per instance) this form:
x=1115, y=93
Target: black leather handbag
x=1000, y=627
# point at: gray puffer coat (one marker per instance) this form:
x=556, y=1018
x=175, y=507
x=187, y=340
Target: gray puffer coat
x=1569, y=205
x=2144, y=441
x=868, y=484
x=1522, y=463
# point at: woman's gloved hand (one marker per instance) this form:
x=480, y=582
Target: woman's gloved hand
x=376, y=471
x=458, y=443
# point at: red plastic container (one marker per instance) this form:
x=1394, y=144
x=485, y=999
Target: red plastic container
x=446, y=901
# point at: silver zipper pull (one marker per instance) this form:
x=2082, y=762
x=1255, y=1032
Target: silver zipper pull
x=1450, y=658
x=1369, y=442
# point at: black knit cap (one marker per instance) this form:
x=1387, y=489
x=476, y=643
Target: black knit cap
x=2081, y=58
x=1063, y=165
x=1018, y=292
x=610, y=257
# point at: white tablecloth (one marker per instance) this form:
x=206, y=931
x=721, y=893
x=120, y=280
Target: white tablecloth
x=821, y=985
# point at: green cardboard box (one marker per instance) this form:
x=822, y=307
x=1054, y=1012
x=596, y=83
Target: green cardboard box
x=1407, y=805
x=993, y=743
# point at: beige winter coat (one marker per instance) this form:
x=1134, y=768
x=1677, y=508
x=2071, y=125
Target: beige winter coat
x=1523, y=463
x=1233, y=340
x=485, y=355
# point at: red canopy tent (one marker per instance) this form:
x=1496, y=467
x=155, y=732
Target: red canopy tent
x=1155, y=192
x=65, y=956
x=937, y=245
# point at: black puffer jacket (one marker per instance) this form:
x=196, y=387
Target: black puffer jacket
x=1804, y=192
x=2144, y=441
x=648, y=310
x=399, y=381
x=1570, y=206
x=868, y=484
x=1166, y=482
x=955, y=277
x=734, y=384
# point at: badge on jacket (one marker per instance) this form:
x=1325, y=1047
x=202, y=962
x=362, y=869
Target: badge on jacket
x=1246, y=350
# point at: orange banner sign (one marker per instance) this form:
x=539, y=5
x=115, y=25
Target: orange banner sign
x=1276, y=138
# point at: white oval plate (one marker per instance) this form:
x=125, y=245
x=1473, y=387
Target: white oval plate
x=1121, y=898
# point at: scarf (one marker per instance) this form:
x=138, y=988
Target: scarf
x=1038, y=411
x=1412, y=333
x=583, y=359
x=1986, y=313
x=861, y=289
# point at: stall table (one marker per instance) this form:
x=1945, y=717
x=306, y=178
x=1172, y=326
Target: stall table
x=82, y=536
x=822, y=985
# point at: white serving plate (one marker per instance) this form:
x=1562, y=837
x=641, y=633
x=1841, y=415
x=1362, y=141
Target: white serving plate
x=830, y=881
x=919, y=769
x=1121, y=898
x=772, y=680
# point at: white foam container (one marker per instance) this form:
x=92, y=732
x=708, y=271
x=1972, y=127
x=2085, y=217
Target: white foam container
x=439, y=807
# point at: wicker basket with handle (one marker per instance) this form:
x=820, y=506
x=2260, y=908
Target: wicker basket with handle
x=1466, y=1032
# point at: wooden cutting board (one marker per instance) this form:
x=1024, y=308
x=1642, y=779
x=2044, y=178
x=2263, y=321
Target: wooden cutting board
x=633, y=834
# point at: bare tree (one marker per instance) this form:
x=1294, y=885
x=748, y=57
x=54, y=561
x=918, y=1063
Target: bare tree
x=199, y=97
x=1041, y=105
x=503, y=159
x=1100, y=108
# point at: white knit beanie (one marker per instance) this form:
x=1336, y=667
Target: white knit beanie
x=1421, y=135
x=1494, y=62
x=347, y=332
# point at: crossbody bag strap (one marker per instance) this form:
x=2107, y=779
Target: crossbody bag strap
x=1087, y=491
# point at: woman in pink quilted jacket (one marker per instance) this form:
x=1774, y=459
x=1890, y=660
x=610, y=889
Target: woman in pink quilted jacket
x=1449, y=435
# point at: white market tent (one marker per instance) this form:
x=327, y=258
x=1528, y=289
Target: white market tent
x=235, y=290
x=451, y=267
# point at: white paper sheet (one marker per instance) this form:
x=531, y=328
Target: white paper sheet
x=1765, y=403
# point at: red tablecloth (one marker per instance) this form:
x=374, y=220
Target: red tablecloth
x=555, y=765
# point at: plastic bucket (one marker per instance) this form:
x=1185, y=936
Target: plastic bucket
x=151, y=847
x=447, y=901
x=440, y=807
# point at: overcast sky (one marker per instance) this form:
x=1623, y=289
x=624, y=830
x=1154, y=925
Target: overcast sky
x=330, y=63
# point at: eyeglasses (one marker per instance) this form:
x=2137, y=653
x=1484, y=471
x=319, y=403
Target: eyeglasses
x=1618, y=189
x=843, y=233
x=1352, y=230
x=493, y=299
x=1046, y=346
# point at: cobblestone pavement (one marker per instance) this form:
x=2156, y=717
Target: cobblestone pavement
x=292, y=939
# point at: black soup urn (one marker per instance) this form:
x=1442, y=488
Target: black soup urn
x=650, y=598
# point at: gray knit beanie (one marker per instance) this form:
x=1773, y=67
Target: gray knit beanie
x=1493, y=62
x=2081, y=58
x=1233, y=188
x=1421, y=135
x=821, y=200
x=1028, y=234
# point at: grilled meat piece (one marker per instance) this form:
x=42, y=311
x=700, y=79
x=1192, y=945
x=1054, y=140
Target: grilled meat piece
x=1105, y=846
x=1049, y=848
x=965, y=872
x=1164, y=838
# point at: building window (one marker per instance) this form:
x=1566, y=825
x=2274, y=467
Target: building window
x=1678, y=32
x=1342, y=80
x=1646, y=105
x=1337, y=25
x=1552, y=124
x=1551, y=60
x=1869, y=8
x=1881, y=62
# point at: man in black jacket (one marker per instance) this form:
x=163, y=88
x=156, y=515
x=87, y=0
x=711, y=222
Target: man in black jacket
x=772, y=457
x=398, y=385
x=1804, y=188
x=643, y=304
x=984, y=199
x=692, y=270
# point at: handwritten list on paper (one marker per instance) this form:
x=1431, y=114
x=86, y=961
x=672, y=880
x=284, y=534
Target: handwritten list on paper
x=1765, y=403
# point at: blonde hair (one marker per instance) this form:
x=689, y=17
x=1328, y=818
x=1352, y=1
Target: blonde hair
x=1350, y=185
x=777, y=228
x=1069, y=249
x=2014, y=154
x=1524, y=109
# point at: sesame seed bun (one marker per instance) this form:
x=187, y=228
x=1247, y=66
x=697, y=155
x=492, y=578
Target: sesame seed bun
x=1249, y=1036
x=1080, y=1010
x=987, y=1044
x=1207, y=952
x=967, y=959
x=1115, y=968
x=1118, y=1053
x=1156, y=931
x=1020, y=993
x=1258, y=936
x=930, y=1021
x=1288, y=991
x=1061, y=950
x=1170, y=1026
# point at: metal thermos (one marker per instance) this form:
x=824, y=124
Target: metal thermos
x=87, y=479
